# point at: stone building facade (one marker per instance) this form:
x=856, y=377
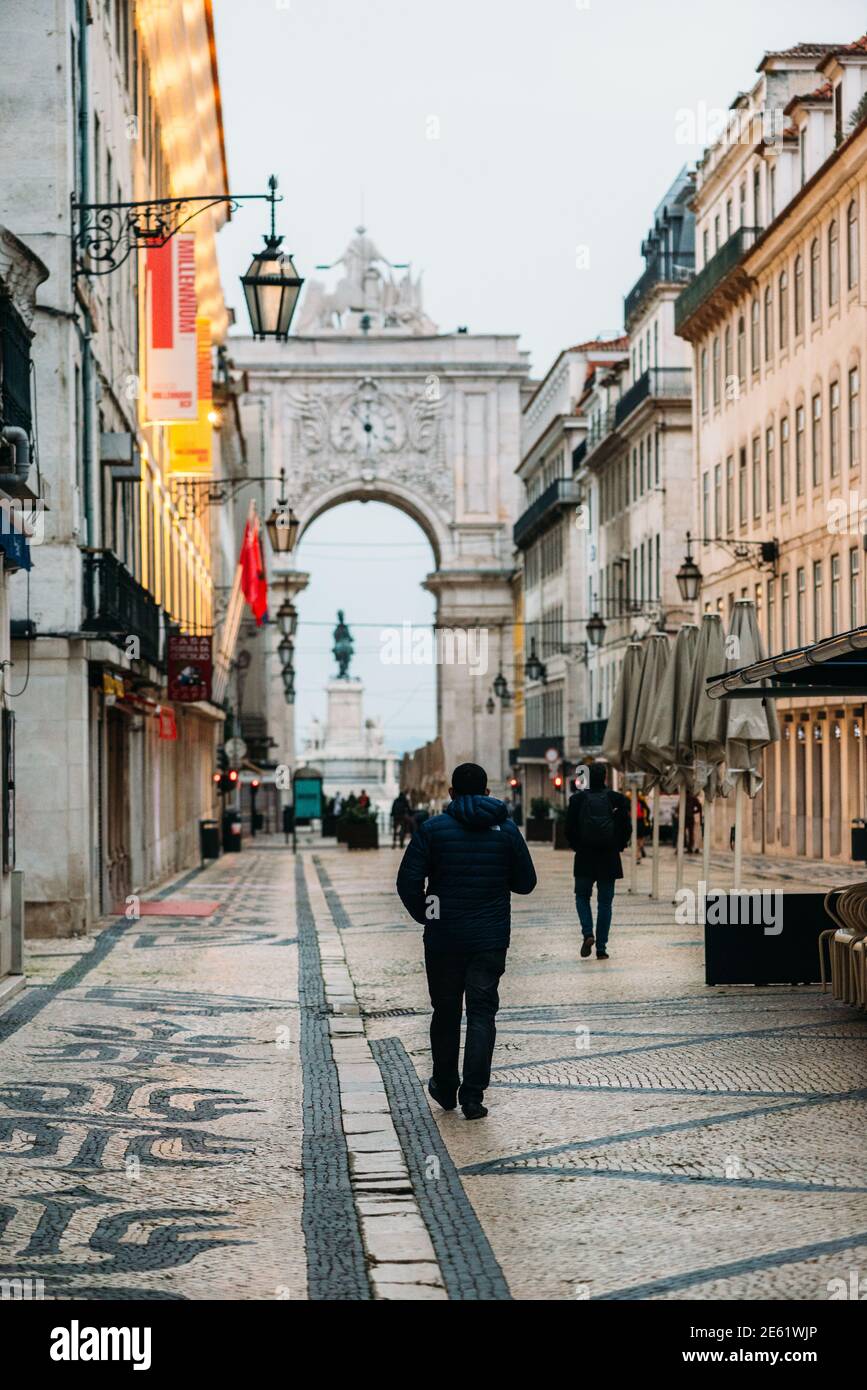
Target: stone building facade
x=775, y=320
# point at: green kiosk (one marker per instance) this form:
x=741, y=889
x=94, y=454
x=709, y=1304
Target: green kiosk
x=306, y=798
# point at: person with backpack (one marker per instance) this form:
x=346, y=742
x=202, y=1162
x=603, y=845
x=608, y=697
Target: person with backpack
x=456, y=879
x=598, y=827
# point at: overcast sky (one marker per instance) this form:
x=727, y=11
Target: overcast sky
x=490, y=142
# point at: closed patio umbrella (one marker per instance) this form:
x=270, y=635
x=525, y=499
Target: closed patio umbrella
x=708, y=720
x=752, y=724
x=646, y=752
x=619, y=740
x=670, y=732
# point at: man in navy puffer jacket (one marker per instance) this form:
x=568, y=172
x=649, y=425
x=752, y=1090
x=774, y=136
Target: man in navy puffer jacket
x=456, y=878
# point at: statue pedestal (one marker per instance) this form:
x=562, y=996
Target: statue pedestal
x=351, y=752
x=344, y=720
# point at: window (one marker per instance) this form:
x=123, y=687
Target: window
x=802, y=151
x=727, y=356
x=742, y=349
x=705, y=246
x=818, y=622
x=834, y=428
x=769, y=469
x=784, y=310
x=703, y=381
x=730, y=495
x=717, y=500
x=716, y=233
x=705, y=504
x=757, y=197
x=742, y=201
x=742, y=488
x=769, y=323
x=800, y=601
x=854, y=586
x=716, y=372
x=799, y=451
x=757, y=477
x=784, y=460
x=799, y=295
x=755, y=332
x=772, y=614
x=852, y=252
x=817, y=439
x=784, y=612
x=729, y=225
x=772, y=192
x=854, y=418
x=835, y=594
x=814, y=280
x=833, y=262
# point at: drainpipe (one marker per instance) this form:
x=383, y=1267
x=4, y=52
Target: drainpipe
x=17, y=437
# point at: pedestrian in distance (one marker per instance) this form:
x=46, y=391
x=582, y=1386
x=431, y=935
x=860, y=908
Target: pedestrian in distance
x=598, y=828
x=456, y=879
x=288, y=821
x=400, y=812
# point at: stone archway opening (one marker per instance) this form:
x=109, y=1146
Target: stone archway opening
x=368, y=559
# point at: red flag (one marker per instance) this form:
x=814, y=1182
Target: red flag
x=254, y=586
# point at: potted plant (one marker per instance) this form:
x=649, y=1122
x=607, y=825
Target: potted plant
x=539, y=823
x=360, y=830
x=560, y=841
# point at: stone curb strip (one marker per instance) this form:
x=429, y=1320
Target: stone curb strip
x=402, y=1262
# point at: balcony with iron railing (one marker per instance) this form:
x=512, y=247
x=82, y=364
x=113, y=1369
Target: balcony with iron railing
x=718, y=270
x=657, y=382
x=117, y=606
x=563, y=492
x=665, y=268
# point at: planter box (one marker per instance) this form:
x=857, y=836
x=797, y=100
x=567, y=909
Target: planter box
x=362, y=835
x=340, y=831
x=329, y=826
x=560, y=841
x=751, y=950
x=539, y=830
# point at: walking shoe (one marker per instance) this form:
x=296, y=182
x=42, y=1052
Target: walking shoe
x=474, y=1110
x=602, y=954
x=447, y=1099
x=587, y=945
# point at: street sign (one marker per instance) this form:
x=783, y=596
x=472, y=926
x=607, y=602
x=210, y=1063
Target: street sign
x=236, y=751
x=551, y=755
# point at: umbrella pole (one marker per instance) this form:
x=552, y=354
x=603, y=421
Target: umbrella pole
x=633, y=841
x=739, y=825
x=706, y=838
x=681, y=829
x=655, y=885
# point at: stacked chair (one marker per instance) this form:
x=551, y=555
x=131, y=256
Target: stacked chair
x=846, y=945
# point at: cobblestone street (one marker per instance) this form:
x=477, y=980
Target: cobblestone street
x=224, y=1098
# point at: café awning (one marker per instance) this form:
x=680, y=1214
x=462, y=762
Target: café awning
x=831, y=668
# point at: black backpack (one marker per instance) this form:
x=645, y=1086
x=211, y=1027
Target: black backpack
x=596, y=826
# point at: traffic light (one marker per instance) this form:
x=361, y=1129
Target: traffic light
x=558, y=781
x=254, y=784
x=513, y=782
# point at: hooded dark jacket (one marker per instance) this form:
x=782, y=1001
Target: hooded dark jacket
x=458, y=873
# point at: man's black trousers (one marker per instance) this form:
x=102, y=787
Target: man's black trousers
x=451, y=975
